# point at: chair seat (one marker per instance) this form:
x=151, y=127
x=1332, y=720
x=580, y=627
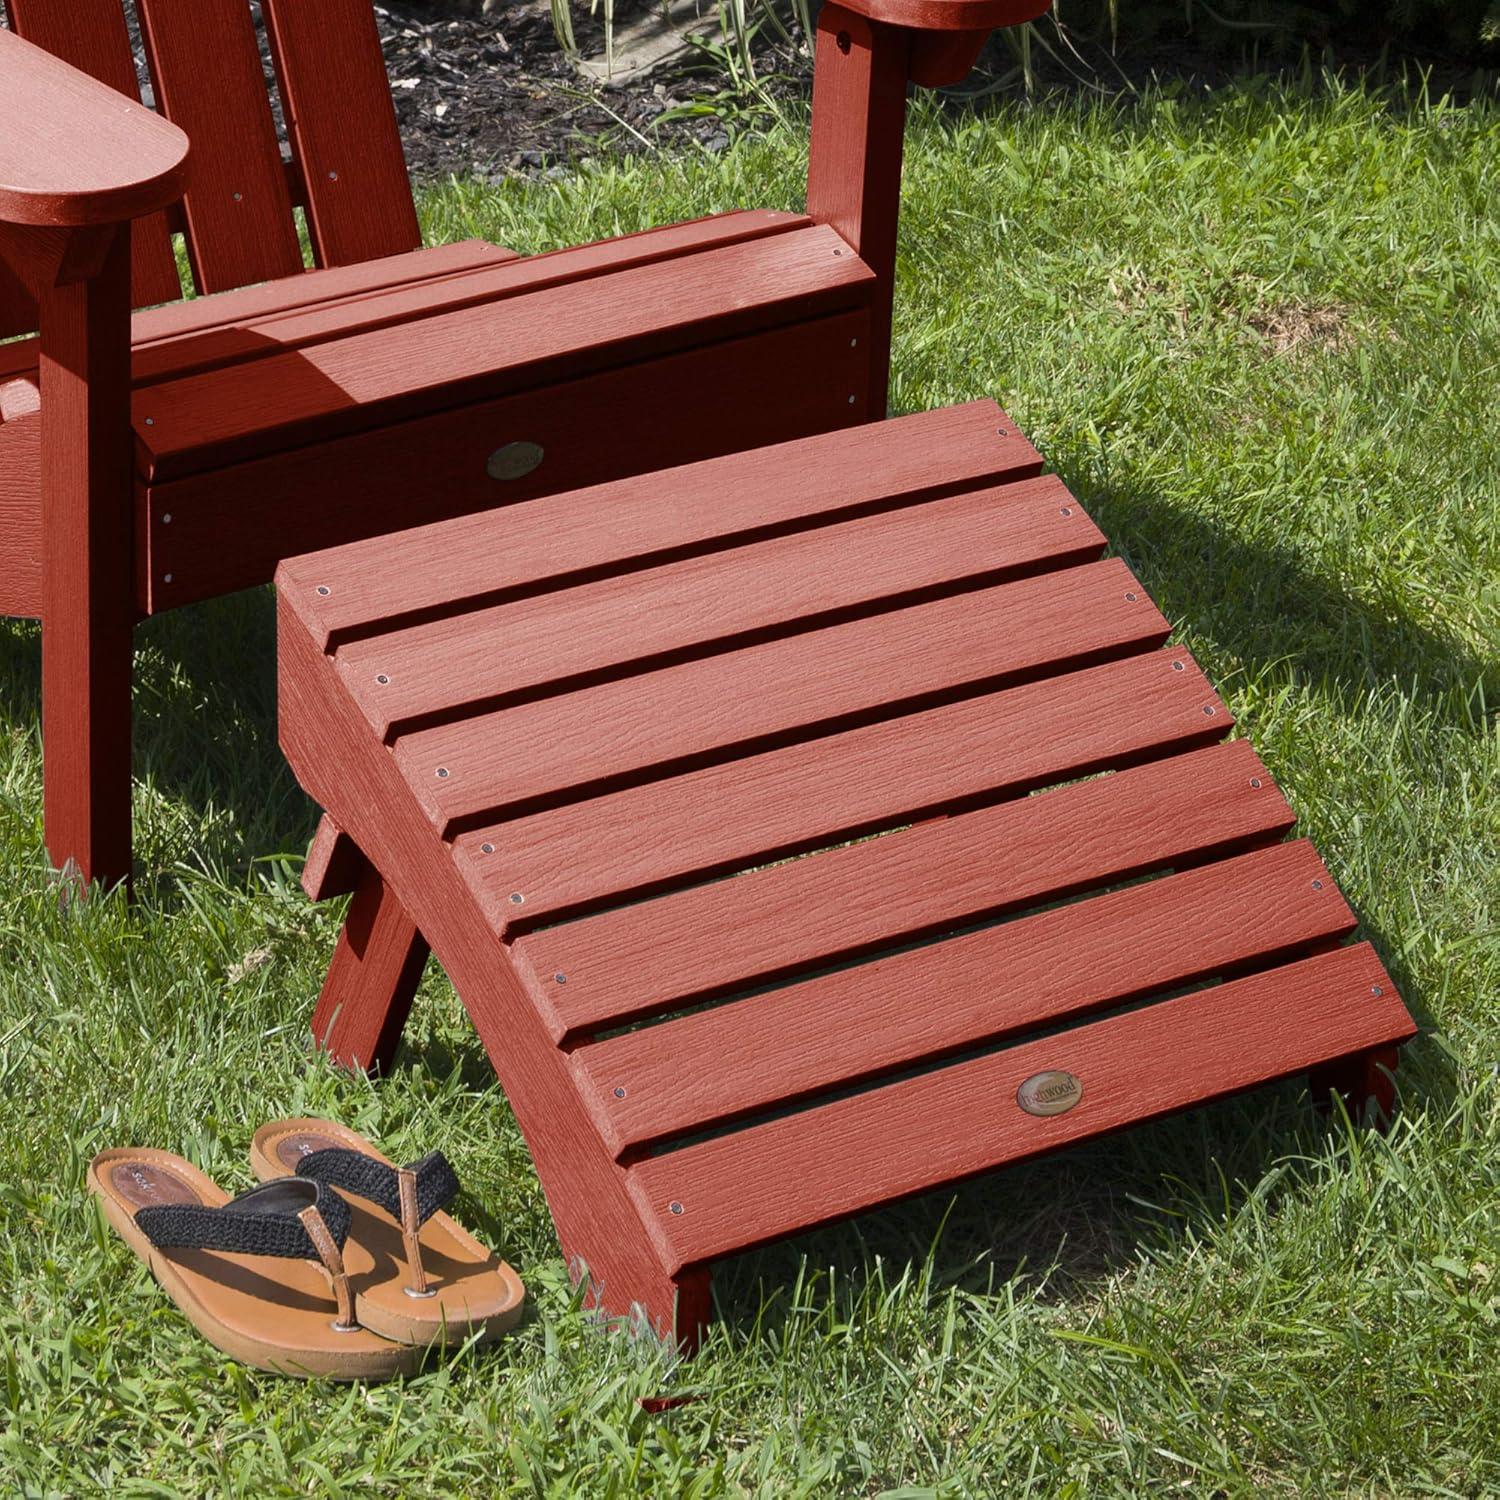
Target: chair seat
x=310, y=411
x=839, y=816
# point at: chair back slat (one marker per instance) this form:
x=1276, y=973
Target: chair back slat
x=342, y=127
x=206, y=67
x=91, y=35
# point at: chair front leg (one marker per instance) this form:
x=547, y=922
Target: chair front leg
x=88, y=606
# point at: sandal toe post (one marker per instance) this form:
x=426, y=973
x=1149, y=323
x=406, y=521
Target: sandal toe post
x=418, y=1276
x=261, y=1277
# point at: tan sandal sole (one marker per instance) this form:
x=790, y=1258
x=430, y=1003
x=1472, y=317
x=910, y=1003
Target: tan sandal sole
x=276, y=1315
x=472, y=1291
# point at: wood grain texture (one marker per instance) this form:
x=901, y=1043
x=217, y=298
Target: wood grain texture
x=753, y=492
x=76, y=154
x=703, y=1069
x=231, y=528
x=371, y=981
x=759, y=1184
x=342, y=127
x=334, y=864
x=90, y=36
x=747, y=699
x=854, y=165
x=205, y=65
x=730, y=935
x=786, y=801
x=377, y=297
x=87, y=608
x=949, y=15
x=598, y=1225
x=21, y=517
x=180, y=337
x=388, y=374
x=650, y=617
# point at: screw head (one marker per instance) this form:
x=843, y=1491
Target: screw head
x=239, y=197
x=333, y=176
x=1065, y=510
x=560, y=978
x=1131, y=598
x=1208, y=710
x=619, y=1093
x=675, y=1207
x=1317, y=885
x=166, y=520
x=1375, y=989
x=150, y=421
x=517, y=899
x=442, y=773
x=1177, y=666
x=324, y=590
x=1255, y=782
x=166, y=578
x=382, y=679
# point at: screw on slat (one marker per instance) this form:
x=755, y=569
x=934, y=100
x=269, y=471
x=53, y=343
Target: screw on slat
x=1131, y=598
x=442, y=773
x=333, y=176
x=166, y=520
x=1208, y=710
x=1177, y=666
x=620, y=1093
x=324, y=590
x=1317, y=885
x=166, y=578
x=382, y=679
x=675, y=1207
x=560, y=978
x=1375, y=989
x=1255, y=782
x=1065, y=510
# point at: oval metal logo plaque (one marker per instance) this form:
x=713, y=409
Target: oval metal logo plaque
x=1053, y=1093
x=515, y=460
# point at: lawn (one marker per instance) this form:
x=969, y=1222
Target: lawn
x=1259, y=334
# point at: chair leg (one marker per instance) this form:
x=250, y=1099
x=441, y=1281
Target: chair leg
x=1365, y=1078
x=88, y=606
x=374, y=974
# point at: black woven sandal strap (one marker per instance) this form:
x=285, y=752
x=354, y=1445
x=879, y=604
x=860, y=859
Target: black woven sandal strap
x=366, y=1177
x=265, y=1221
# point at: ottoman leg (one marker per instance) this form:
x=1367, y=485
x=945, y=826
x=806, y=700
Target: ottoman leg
x=376, y=968
x=1362, y=1079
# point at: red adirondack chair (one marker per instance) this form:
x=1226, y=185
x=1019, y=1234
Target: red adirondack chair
x=150, y=464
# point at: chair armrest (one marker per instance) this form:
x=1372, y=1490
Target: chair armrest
x=74, y=153
x=949, y=15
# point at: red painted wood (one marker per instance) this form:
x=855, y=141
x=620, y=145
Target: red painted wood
x=230, y=528
x=756, y=1185
x=754, y=492
x=86, y=604
x=183, y=336
x=21, y=517
x=17, y=306
x=254, y=306
x=950, y=15
x=703, y=1069
x=75, y=152
x=1366, y=1083
x=767, y=806
x=854, y=169
x=334, y=865
x=648, y=618
x=803, y=686
x=598, y=1225
x=372, y=978
x=206, y=69
x=374, y=378
x=90, y=35
x=735, y=934
x=306, y=320
x=342, y=127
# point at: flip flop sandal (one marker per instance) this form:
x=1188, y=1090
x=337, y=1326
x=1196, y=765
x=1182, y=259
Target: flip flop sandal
x=261, y=1276
x=416, y=1275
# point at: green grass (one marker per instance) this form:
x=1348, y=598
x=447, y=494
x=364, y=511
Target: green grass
x=1259, y=335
